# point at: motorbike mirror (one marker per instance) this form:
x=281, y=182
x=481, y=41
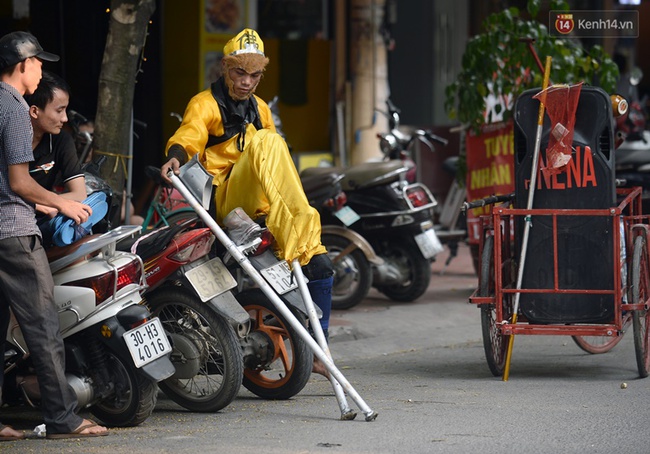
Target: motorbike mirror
x=394, y=120
x=197, y=180
x=426, y=141
x=636, y=74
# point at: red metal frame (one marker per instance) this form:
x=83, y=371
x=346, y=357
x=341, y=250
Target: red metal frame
x=629, y=210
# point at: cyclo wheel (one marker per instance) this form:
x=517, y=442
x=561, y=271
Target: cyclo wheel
x=640, y=293
x=596, y=344
x=495, y=344
x=599, y=344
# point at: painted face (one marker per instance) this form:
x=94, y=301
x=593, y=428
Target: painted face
x=243, y=83
x=32, y=75
x=53, y=116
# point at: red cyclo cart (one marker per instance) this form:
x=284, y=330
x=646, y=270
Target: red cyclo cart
x=586, y=272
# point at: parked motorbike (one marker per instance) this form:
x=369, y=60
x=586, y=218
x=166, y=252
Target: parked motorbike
x=396, y=144
x=395, y=231
x=351, y=254
x=185, y=269
x=198, y=314
x=633, y=154
x=451, y=225
x=396, y=219
x=116, y=351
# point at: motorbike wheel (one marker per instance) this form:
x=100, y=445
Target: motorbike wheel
x=406, y=256
x=352, y=273
x=205, y=351
x=286, y=360
x=134, y=398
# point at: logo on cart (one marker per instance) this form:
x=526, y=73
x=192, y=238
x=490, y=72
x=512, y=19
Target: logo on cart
x=580, y=172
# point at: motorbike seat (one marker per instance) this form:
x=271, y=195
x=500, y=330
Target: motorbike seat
x=321, y=186
x=54, y=253
x=318, y=181
x=373, y=173
x=156, y=241
x=363, y=175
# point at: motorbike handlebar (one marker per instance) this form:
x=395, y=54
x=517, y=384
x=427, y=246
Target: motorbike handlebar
x=435, y=138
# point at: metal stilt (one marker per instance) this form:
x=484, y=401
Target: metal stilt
x=347, y=413
x=254, y=274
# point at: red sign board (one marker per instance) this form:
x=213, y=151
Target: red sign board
x=490, y=169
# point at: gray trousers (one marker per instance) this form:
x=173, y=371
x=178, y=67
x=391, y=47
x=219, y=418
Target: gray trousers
x=26, y=286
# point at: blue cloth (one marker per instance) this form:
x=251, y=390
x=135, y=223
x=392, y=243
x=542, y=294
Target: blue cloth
x=65, y=231
x=321, y=294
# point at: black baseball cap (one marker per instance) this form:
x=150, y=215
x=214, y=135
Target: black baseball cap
x=18, y=46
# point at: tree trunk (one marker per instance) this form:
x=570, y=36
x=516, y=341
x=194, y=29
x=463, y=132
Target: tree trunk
x=120, y=66
x=369, y=72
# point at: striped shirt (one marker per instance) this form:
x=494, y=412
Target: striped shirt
x=17, y=216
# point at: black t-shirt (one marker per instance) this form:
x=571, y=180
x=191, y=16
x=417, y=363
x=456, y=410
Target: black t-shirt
x=55, y=161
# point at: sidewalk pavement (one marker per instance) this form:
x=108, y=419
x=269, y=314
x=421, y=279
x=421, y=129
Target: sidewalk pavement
x=380, y=326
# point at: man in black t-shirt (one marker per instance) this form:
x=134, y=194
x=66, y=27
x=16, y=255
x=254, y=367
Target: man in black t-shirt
x=55, y=166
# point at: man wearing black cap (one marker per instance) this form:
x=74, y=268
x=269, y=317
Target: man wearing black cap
x=23, y=263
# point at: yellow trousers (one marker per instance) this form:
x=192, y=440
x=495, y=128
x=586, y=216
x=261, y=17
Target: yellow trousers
x=264, y=181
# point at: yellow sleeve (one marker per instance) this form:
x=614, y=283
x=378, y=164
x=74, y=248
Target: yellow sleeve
x=201, y=118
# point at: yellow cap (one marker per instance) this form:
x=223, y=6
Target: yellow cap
x=246, y=42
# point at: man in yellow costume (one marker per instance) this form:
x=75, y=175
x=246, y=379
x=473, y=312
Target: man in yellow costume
x=233, y=133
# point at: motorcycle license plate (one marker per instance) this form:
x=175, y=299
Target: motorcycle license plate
x=347, y=216
x=428, y=243
x=210, y=279
x=279, y=277
x=147, y=342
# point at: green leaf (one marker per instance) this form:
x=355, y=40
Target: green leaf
x=533, y=7
x=497, y=58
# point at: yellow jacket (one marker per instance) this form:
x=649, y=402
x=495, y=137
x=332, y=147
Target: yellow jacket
x=265, y=182
x=202, y=119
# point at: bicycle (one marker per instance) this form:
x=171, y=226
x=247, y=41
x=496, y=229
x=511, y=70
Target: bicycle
x=167, y=206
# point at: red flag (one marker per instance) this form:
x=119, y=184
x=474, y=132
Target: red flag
x=560, y=105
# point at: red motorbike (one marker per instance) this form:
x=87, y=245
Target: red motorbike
x=223, y=334
x=205, y=347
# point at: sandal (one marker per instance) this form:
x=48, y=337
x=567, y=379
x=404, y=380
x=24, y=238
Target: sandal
x=18, y=436
x=77, y=433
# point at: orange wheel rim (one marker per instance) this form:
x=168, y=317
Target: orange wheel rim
x=283, y=361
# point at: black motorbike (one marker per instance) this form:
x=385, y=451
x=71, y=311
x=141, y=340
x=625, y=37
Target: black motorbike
x=352, y=256
x=398, y=143
x=396, y=219
x=633, y=153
